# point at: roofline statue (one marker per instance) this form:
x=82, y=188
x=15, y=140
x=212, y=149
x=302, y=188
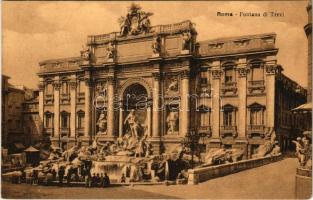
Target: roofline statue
x=136, y=21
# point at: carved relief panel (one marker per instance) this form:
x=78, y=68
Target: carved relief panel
x=171, y=85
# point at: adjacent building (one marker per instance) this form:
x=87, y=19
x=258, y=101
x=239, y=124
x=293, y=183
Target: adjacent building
x=159, y=81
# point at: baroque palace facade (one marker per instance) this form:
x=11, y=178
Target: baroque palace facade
x=160, y=82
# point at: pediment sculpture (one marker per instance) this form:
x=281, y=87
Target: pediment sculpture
x=135, y=22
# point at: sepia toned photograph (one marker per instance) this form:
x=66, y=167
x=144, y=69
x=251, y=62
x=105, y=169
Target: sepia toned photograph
x=156, y=100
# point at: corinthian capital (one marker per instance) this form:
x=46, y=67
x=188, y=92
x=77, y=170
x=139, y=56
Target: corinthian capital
x=216, y=73
x=243, y=72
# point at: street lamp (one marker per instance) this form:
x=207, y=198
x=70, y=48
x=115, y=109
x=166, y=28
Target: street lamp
x=191, y=140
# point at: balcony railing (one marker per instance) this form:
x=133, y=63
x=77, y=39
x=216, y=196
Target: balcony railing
x=256, y=127
x=228, y=130
x=65, y=96
x=256, y=85
x=81, y=94
x=48, y=131
x=229, y=87
x=65, y=132
x=49, y=96
x=255, y=130
x=205, y=130
x=80, y=132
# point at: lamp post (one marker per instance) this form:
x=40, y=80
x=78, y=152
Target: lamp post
x=191, y=140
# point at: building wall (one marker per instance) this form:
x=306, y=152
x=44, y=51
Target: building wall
x=233, y=83
x=14, y=117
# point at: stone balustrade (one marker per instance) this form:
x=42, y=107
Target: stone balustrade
x=199, y=175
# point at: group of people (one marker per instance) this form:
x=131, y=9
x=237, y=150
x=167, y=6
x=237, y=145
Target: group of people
x=97, y=180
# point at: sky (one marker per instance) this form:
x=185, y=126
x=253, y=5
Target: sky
x=36, y=31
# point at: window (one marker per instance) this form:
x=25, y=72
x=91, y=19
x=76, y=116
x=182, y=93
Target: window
x=64, y=120
x=81, y=86
x=49, y=88
x=256, y=114
x=204, y=119
x=80, y=120
x=229, y=72
x=203, y=78
x=228, y=75
x=257, y=70
x=228, y=118
x=229, y=115
x=48, y=120
x=64, y=89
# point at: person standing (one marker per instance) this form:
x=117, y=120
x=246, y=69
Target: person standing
x=106, y=180
x=61, y=174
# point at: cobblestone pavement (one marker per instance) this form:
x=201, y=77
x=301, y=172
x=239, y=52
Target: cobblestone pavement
x=274, y=181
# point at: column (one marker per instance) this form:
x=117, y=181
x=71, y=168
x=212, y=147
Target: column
x=270, y=95
x=41, y=87
x=73, y=107
x=242, y=94
x=87, y=106
x=156, y=115
x=120, y=127
x=149, y=121
x=110, y=114
x=216, y=75
x=185, y=104
x=56, y=110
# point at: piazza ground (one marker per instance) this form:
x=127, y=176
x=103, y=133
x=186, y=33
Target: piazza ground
x=273, y=181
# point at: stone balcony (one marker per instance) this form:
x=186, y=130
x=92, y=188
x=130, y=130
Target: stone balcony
x=229, y=88
x=256, y=85
x=229, y=130
x=48, y=131
x=65, y=132
x=255, y=130
x=205, y=131
x=49, y=98
x=80, y=132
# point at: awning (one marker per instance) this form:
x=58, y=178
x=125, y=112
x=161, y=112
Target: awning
x=31, y=149
x=19, y=146
x=304, y=108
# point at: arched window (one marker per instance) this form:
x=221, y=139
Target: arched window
x=256, y=70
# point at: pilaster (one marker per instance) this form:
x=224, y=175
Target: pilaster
x=88, y=84
x=56, y=107
x=242, y=94
x=216, y=83
x=41, y=87
x=156, y=112
x=270, y=95
x=73, y=85
x=184, y=118
x=110, y=113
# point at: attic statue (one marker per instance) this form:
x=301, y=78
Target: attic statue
x=135, y=22
x=186, y=40
x=85, y=53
